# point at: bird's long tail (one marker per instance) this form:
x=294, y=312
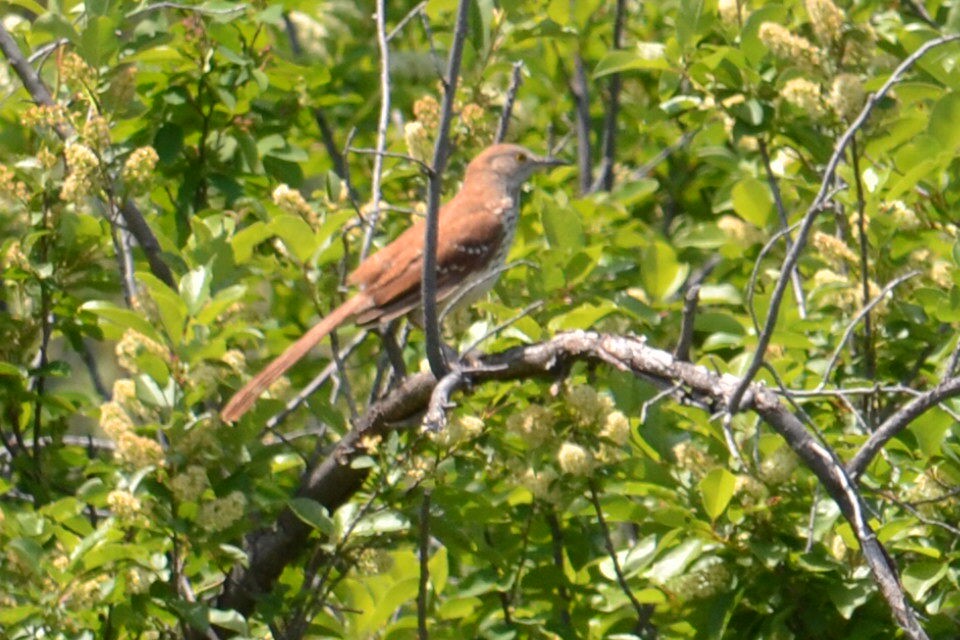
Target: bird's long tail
x=243, y=399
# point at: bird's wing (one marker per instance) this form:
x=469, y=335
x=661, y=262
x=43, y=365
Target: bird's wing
x=468, y=237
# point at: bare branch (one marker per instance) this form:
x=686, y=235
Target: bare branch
x=376, y=191
x=899, y=421
x=516, y=79
x=392, y=154
x=784, y=224
x=334, y=480
x=863, y=313
x=608, y=150
x=868, y=347
x=441, y=152
x=581, y=102
x=643, y=612
x=424, y=581
x=413, y=13
x=690, y=300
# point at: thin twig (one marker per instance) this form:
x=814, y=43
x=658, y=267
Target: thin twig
x=437, y=64
x=793, y=256
x=608, y=150
x=527, y=310
x=643, y=613
x=294, y=403
x=424, y=582
x=556, y=538
x=863, y=313
x=912, y=509
x=784, y=224
x=392, y=154
x=644, y=170
x=581, y=103
x=516, y=79
x=376, y=190
x=690, y=300
x=187, y=7
x=441, y=152
x=868, y=346
x=413, y=13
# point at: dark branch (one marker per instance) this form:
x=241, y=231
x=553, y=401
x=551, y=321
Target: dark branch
x=516, y=79
x=441, y=152
x=581, y=102
x=609, y=142
x=334, y=480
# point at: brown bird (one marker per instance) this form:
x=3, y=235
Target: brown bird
x=475, y=232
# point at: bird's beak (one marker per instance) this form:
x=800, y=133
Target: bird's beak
x=550, y=162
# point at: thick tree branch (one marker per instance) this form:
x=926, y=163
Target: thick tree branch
x=333, y=480
x=899, y=421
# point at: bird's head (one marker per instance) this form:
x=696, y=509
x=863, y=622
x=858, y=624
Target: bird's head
x=510, y=163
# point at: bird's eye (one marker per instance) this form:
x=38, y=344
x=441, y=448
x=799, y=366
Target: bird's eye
x=521, y=157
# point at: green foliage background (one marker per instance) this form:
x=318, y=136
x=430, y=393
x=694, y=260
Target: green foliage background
x=124, y=511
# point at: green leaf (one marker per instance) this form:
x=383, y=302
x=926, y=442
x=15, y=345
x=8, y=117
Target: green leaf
x=931, y=429
x=716, y=490
x=562, y=226
x=121, y=318
x=676, y=560
x=195, y=288
x=648, y=55
x=168, y=142
x=55, y=25
x=581, y=317
x=296, y=234
x=848, y=597
x=457, y=608
x=30, y=5
x=439, y=570
x=943, y=121
x=559, y=11
x=170, y=306
x=689, y=22
x=27, y=552
x=920, y=577
x=313, y=514
x=636, y=191
x=752, y=201
x=399, y=593
x=246, y=239
x=220, y=302
x=661, y=272
x=99, y=40
x=229, y=619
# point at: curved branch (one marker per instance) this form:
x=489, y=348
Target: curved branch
x=899, y=421
x=334, y=480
